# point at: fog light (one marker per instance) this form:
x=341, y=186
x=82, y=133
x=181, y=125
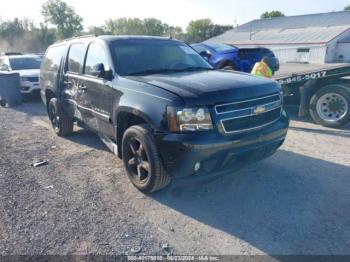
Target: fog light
x=25, y=88
x=197, y=166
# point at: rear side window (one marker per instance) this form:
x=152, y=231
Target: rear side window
x=96, y=55
x=24, y=63
x=76, y=57
x=53, y=57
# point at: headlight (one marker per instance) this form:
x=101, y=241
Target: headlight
x=23, y=78
x=189, y=119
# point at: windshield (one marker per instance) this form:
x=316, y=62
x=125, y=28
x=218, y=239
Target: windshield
x=152, y=56
x=23, y=63
x=221, y=47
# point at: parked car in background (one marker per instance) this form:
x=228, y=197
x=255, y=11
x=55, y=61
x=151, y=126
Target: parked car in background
x=231, y=57
x=27, y=66
x=158, y=105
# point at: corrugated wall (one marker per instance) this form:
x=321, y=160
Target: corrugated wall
x=289, y=53
x=316, y=54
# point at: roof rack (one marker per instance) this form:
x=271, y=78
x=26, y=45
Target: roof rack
x=76, y=37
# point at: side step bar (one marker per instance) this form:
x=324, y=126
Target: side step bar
x=109, y=143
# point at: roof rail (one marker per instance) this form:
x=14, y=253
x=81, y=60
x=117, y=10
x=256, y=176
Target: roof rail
x=76, y=37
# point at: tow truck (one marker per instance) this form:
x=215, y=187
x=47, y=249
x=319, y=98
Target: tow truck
x=323, y=91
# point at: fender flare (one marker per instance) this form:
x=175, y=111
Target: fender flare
x=134, y=111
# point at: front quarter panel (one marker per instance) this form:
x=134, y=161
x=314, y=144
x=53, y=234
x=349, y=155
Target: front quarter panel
x=144, y=100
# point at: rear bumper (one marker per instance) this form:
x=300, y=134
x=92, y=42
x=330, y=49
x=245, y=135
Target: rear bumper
x=216, y=152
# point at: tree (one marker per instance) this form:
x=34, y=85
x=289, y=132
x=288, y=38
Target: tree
x=97, y=30
x=136, y=26
x=63, y=16
x=124, y=26
x=271, y=14
x=199, y=30
x=46, y=35
x=347, y=8
x=153, y=26
x=220, y=29
x=174, y=32
x=22, y=35
x=203, y=29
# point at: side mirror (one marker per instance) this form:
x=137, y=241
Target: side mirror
x=205, y=54
x=98, y=70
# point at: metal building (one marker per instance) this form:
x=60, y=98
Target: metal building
x=316, y=38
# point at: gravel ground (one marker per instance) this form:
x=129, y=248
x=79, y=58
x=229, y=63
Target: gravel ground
x=81, y=202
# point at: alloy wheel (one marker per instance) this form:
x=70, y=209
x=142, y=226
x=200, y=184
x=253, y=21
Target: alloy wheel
x=137, y=160
x=54, y=117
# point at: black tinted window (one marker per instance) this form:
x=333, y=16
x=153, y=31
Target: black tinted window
x=23, y=63
x=96, y=55
x=266, y=52
x=53, y=57
x=76, y=57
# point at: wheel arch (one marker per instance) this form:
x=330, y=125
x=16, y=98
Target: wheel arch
x=126, y=117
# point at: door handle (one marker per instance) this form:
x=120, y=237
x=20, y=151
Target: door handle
x=68, y=83
x=82, y=88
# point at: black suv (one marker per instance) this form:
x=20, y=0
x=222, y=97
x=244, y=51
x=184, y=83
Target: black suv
x=160, y=106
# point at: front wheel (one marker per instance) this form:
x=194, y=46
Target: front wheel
x=330, y=106
x=142, y=161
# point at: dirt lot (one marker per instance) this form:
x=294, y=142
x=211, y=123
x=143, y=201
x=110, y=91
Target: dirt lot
x=81, y=202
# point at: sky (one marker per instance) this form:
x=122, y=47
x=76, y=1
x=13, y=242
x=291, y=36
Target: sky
x=173, y=12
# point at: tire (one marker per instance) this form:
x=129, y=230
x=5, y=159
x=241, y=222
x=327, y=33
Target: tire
x=330, y=105
x=138, y=147
x=61, y=122
x=226, y=65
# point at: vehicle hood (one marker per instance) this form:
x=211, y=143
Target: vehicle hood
x=28, y=72
x=211, y=87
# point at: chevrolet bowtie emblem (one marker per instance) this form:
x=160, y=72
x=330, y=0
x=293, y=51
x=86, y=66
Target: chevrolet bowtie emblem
x=259, y=110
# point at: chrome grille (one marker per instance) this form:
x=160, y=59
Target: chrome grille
x=243, y=116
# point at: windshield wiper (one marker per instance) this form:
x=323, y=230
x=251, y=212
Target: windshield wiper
x=168, y=70
x=193, y=68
